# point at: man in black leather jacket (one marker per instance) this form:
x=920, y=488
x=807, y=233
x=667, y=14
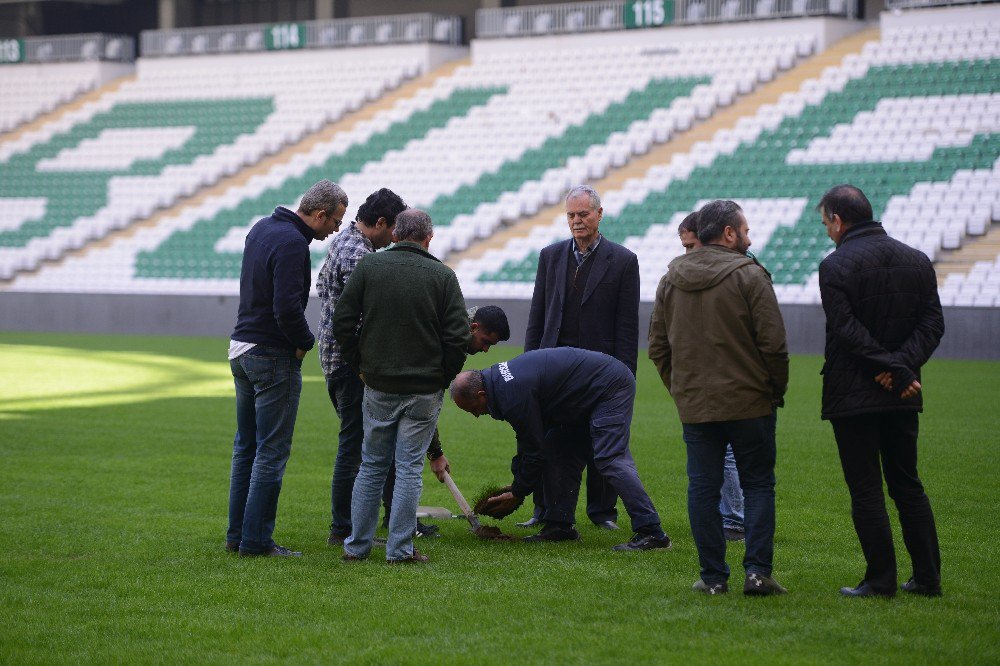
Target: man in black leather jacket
x=883, y=322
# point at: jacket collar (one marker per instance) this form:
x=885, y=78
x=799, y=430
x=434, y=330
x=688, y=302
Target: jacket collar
x=492, y=408
x=285, y=215
x=415, y=248
x=861, y=229
x=601, y=258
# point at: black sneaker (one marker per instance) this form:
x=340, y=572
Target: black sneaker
x=645, y=542
x=425, y=530
x=734, y=535
x=554, y=533
x=913, y=587
x=232, y=547
x=275, y=551
x=761, y=586
x=712, y=589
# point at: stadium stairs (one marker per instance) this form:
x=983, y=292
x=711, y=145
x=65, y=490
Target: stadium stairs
x=976, y=250
x=285, y=156
x=769, y=93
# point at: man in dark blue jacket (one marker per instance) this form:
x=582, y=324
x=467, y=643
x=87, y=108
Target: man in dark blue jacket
x=586, y=296
x=265, y=356
x=565, y=387
x=883, y=322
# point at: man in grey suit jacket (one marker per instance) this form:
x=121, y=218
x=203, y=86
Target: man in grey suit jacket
x=587, y=296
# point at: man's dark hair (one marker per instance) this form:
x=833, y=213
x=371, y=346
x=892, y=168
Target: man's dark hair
x=689, y=223
x=383, y=203
x=494, y=320
x=714, y=217
x=847, y=202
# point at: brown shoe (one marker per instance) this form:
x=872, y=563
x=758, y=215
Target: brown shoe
x=347, y=557
x=416, y=558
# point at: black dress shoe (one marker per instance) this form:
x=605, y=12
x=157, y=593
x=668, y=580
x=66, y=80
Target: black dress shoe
x=273, y=551
x=232, y=547
x=530, y=522
x=609, y=525
x=865, y=590
x=550, y=533
x=913, y=587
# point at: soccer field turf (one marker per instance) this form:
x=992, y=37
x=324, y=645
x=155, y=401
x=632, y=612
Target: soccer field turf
x=113, y=491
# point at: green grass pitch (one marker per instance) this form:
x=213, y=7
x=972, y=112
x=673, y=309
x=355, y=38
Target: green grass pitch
x=114, y=466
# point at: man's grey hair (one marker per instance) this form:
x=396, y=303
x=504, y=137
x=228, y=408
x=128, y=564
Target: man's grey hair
x=467, y=385
x=413, y=225
x=714, y=217
x=595, y=198
x=325, y=195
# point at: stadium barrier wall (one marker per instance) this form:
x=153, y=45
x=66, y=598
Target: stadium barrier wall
x=915, y=15
x=826, y=31
x=970, y=332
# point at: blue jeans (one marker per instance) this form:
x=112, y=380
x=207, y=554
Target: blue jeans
x=268, y=385
x=753, y=445
x=731, y=505
x=397, y=427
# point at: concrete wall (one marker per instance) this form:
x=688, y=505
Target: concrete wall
x=971, y=333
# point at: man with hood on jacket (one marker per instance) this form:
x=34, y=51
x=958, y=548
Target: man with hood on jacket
x=718, y=341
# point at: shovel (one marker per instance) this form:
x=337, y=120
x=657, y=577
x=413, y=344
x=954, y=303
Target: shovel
x=477, y=529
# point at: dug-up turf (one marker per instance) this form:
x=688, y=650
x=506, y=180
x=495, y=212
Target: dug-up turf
x=490, y=533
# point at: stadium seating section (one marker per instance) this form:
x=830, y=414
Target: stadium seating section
x=28, y=91
x=178, y=127
x=912, y=119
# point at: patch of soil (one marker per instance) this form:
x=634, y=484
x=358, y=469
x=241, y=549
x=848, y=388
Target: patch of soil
x=491, y=533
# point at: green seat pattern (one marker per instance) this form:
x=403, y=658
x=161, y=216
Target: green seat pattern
x=191, y=254
x=758, y=169
x=75, y=194
x=554, y=152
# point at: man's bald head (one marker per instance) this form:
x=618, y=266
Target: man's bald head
x=468, y=391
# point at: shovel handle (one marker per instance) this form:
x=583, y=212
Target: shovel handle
x=462, y=504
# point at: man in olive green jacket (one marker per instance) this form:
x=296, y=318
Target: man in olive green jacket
x=411, y=343
x=718, y=341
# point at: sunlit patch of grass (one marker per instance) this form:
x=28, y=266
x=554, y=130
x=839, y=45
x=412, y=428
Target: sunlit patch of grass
x=62, y=377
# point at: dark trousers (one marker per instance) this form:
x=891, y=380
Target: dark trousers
x=889, y=438
x=753, y=445
x=601, y=495
x=346, y=392
x=607, y=447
